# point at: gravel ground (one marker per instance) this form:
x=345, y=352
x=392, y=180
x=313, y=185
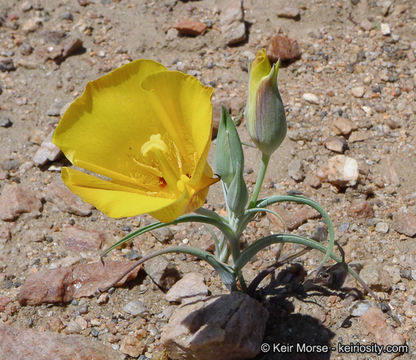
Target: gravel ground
x=355, y=82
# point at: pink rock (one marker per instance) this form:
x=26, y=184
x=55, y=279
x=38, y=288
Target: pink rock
x=405, y=224
x=336, y=144
x=374, y=322
x=65, y=200
x=343, y=126
x=3, y=174
x=5, y=234
x=284, y=48
x=222, y=328
x=77, y=239
x=26, y=344
x=289, y=12
x=4, y=300
x=162, y=272
x=232, y=12
x=233, y=29
x=295, y=219
x=17, y=199
x=359, y=135
x=190, y=287
x=191, y=27
x=133, y=344
x=71, y=46
x=360, y=209
x=376, y=276
x=66, y=283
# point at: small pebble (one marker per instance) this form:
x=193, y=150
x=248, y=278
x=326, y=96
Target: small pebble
x=135, y=308
x=385, y=29
x=67, y=16
x=133, y=255
x=357, y=91
x=382, y=227
x=5, y=122
x=311, y=98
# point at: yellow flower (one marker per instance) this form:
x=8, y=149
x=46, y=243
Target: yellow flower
x=145, y=131
x=265, y=113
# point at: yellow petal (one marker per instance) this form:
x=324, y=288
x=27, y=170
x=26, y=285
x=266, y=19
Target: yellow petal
x=183, y=105
x=144, y=128
x=107, y=125
x=259, y=69
x=112, y=199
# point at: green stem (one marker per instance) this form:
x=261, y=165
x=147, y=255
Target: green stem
x=226, y=274
x=260, y=178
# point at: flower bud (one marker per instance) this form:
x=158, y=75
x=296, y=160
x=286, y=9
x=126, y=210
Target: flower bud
x=265, y=113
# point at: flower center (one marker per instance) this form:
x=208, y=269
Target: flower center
x=158, y=150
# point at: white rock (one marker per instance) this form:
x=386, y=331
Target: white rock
x=358, y=308
x=382, y=227
x=385, y=29
x=47, y=151
x=357, y=91
x=136, y=308
x=311, y=98
x=340, y=170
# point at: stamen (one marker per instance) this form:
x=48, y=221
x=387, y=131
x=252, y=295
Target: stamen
x=158, y=149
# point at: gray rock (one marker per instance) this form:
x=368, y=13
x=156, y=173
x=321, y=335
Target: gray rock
x=47, y=151
x=187, y=289
x=320, y=233
x=26, y=49
x=67, y=16
x=163, y=235
x=5, y=122
x=161, y=271
x=295, y=170
x=222, y=328
x=7, y=65
x=135, y=308
x=55, y=108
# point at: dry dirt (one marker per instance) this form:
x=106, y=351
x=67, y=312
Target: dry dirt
x=338, y=54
